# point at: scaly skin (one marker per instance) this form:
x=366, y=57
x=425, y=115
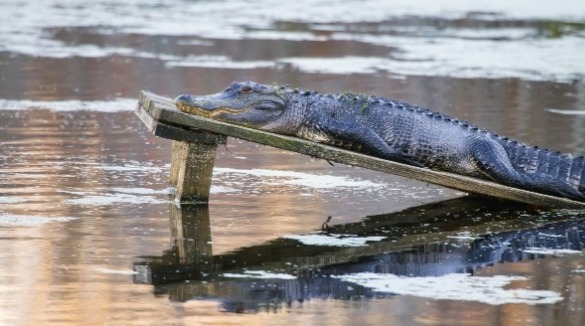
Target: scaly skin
x=395, y=131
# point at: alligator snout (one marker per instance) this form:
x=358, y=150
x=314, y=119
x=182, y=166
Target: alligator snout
x=183, y=99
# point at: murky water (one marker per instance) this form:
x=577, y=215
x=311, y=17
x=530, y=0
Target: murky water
x=90, y=235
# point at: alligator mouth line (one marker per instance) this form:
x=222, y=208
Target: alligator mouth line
x=205, y=113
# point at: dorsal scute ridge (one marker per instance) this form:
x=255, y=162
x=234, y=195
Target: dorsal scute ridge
x=353, y=98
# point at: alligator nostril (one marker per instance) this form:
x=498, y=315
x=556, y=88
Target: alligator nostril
x=183, y=98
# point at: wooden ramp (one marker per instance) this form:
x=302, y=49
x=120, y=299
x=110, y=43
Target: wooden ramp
x=196, y=139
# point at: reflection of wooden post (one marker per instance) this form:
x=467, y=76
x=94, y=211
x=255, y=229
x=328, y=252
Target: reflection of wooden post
x=192, y=168
x=191, y=254
x=191, y=234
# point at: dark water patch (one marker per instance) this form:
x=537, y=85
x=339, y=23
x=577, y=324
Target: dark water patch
x=424, y=245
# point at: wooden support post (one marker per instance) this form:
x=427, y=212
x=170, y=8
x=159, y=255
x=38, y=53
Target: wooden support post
x=192, y=169
x=194, y=172
x=176, y=159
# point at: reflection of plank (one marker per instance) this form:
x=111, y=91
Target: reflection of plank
x=163, y=113
x=425, y=227
x=429, y=224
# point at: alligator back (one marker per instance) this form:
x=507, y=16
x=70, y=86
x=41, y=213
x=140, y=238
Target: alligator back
x=446, y=143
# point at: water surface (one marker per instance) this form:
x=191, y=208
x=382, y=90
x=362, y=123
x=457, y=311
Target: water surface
x=90, y=231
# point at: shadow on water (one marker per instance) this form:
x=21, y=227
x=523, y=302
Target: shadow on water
x=455, y=236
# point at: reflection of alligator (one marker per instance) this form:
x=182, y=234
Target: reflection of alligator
x=466, y=255
x=395, y=131
x=251, y=295
x=435, y=259
x=491, y=235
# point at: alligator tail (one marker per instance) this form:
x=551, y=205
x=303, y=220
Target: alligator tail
x=542, y=166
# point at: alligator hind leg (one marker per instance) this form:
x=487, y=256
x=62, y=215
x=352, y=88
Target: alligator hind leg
x=493, y=161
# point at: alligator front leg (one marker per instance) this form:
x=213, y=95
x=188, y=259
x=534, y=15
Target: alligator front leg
x=335, y=131
x=493, y=161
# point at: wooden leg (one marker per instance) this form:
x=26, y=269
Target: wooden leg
x=192, y=168
x=194, y=177
x=176, y=160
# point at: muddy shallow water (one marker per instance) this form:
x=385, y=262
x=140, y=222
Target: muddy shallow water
x=91, y=234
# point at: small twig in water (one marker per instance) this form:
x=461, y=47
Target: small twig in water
x=325, y=226
x=227, y=148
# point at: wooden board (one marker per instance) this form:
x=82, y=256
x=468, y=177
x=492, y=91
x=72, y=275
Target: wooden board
x=160, y=112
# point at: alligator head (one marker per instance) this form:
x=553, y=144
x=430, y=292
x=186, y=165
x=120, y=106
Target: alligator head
x=248, y=104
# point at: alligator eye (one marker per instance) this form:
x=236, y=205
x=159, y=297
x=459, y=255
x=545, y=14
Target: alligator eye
x=246, y=89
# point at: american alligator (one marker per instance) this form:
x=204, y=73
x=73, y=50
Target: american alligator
x=393, y=130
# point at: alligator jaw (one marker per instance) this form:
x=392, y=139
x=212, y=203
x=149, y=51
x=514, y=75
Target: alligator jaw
x=244, y=103
x=202, y=106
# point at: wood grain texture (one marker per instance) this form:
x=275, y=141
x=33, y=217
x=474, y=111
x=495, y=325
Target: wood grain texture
x=163, y=111
x=194, y=171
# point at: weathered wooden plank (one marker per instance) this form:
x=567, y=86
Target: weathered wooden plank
x=145, y=117
x=163, y=110
x=178, y=133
